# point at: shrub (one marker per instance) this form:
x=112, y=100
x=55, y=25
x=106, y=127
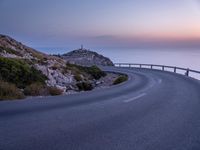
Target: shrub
x=53, y=91
x=19, y=72
x=39, y=89
x=77, y=77
x=37, y=55
x=84, y=86
x=35, y=89
x=120, y=79
x=9, y=91
x=95, y=72
x=92, y=71
x=10, y=51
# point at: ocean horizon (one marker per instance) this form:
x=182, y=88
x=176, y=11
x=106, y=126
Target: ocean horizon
x=187, y=58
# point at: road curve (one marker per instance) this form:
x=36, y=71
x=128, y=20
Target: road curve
x=153, y=110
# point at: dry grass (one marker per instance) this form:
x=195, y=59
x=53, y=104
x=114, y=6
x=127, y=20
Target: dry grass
x=38, y=89
x=9, y=91
x=53, y=91
x=35, y=89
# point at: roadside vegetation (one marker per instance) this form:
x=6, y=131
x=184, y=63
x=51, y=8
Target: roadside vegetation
x=92, y=72
x=84, y=86
x=19, y=79
x=19, y=72
x=120, y=79
x=83, y=75
x=39, y=89
x=10, y=91
x=54, y=91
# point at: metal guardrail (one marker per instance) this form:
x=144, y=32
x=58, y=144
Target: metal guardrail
x=162, y=67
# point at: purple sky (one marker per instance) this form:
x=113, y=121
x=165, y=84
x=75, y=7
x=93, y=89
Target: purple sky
x=102, y=23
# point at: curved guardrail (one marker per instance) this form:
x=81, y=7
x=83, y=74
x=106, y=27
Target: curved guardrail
x=162, y=67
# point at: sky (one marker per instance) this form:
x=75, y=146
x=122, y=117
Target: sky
x=102, y=23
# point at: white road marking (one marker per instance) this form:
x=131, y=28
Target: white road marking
x=134, y=98
x=160, y=81
x=151, y=85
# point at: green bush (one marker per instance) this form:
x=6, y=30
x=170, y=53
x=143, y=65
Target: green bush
x=84, y=86
x=92, y=71
x=120, y=79
x=53, y=91
x=95, y=72
x=19, y=72
x=9, y=91
x=77, y=77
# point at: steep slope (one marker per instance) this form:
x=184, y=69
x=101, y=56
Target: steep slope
x=12, y=48
x=50, y=66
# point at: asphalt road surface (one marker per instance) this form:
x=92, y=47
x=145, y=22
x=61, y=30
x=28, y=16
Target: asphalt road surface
x=153, y=110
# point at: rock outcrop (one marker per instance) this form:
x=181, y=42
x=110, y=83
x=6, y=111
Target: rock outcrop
x=86, y=57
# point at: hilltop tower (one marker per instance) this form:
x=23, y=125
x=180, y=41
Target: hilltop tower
x=82, y=47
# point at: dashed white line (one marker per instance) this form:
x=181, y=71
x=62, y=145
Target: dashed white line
x=160, y=81
x=134, y=98
x=151, y=85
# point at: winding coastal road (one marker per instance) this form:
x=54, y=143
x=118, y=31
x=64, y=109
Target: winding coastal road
x=153, y=110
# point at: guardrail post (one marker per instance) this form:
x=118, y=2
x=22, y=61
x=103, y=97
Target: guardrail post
x=175, y=69
x=187, y=72
x=163, y=68
x=140, y=66
x=129, y=65
x=151, y=66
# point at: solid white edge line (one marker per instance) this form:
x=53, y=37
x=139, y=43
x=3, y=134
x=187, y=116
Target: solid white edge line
x=134, y=98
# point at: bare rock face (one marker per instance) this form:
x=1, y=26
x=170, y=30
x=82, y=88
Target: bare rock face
x=56, y=77
x=86, y=58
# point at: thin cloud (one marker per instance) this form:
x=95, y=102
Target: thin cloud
x=105, y=37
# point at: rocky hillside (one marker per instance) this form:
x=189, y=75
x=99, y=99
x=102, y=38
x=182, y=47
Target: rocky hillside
x=86, y=58
x=14, y=49
x=50, y=66
x=29, y=69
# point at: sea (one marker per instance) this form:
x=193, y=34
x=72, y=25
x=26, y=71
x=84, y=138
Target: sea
x=186, y=58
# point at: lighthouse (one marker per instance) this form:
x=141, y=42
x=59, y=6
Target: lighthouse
x=81, y=46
